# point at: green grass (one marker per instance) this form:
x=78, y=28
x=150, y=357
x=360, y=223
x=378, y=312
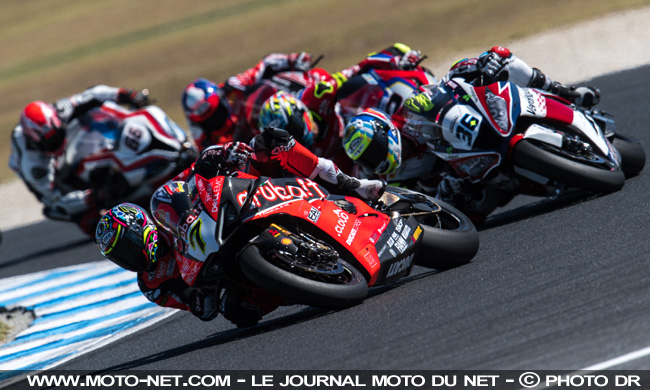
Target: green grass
x=4, y=331
x=54, y=49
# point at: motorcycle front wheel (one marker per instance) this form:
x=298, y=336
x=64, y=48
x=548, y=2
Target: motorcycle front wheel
x=632, y=154
x=333, y=286
x=586, y=171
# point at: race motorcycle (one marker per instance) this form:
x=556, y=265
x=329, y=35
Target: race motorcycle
x=385, y=90
x=293, y=238
x=289, y=81
x=122, y=155
x=509, y=140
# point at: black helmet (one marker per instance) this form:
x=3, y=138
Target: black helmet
x=127, y=236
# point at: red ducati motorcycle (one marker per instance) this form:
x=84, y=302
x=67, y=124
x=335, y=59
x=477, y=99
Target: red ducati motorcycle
x=294, y=239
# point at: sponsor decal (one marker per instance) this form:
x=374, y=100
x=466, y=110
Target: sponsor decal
x=306, y=189
x=273, y=209
x=341, y=222
x=189, y=268
x=170, y=268
x=398, y=228
x=399, y=266
x=417, y=233
x=216, y=194
x=406, y=231
x=283, y=148
x=353, y=231
x=530, y=101
x=183, y=227
x=400, y=244
x=372, y=260
x=314, y=214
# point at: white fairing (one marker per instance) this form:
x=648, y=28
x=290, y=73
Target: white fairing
x=595, y=135
x=200, y=237
x=461, y=126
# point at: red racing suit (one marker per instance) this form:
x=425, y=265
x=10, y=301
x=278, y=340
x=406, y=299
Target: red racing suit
x=242, y=305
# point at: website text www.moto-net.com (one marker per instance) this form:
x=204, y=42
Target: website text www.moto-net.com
x=338, y=379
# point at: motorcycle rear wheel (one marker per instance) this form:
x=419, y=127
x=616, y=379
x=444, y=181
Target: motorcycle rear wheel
x=331, y=291
x=449, y=239
x=571, y=171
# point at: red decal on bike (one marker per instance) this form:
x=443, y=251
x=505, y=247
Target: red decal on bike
x=282, y=193
x=189, y=268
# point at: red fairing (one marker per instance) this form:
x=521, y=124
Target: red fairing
x=558, y=111
x=357, y=232
x=210, y=193
x=417, y=78
x=503, y=52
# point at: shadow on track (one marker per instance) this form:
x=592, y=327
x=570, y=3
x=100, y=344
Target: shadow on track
x=540, y=207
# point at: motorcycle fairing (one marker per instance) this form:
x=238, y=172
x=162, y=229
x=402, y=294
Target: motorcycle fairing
x=385, y=90
x=397, y=247
x=557, y=112
x=499, y=103
x=474, y=166
x=273, y=192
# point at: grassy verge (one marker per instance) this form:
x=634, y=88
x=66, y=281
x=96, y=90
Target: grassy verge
x=54, y=49
x=4, y=331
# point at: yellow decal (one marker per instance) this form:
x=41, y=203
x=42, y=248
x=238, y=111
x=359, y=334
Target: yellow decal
x=417, y=233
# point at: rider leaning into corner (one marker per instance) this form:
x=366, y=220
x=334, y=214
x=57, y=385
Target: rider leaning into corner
x=312, y=116
x=215, y=113
x=40, y=139
x=130, y=237
x=395, y=57
x=496, y=64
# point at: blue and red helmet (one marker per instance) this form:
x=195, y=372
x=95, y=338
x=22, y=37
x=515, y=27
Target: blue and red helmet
x=128, y=237
x=200, y=100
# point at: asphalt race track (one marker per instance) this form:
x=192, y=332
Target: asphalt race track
x=555, y=285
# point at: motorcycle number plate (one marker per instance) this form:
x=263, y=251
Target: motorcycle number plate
x=461, y=126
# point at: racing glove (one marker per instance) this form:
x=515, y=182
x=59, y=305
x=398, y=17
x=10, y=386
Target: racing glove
x=409, y=60
x=137, y=99
x=214, y=158
x=237, y=153
x=300, y=61
x=491, y=62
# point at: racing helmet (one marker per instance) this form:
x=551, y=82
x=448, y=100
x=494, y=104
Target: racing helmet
x=373, y=141
x=42, y=125
x=127, y=236
x=202, y=103
x=283, y=111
